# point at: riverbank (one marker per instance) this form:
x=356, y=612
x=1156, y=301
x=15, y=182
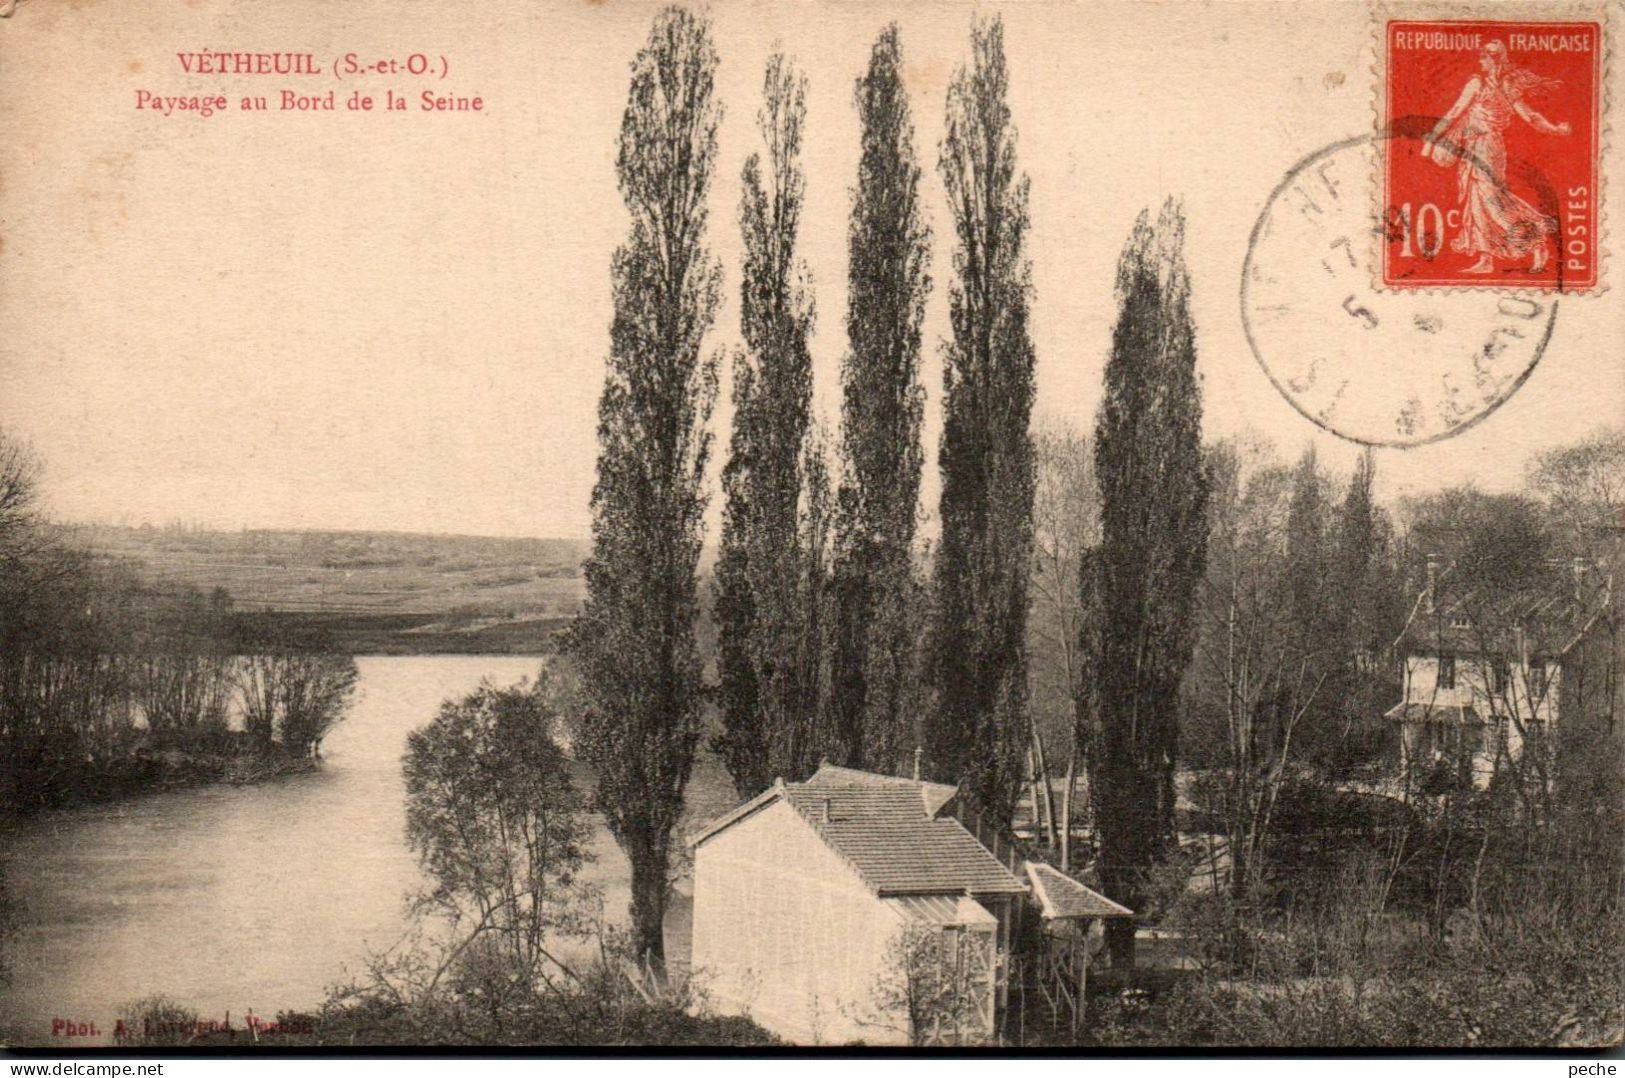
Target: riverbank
x=229, y=896
x=144, y=773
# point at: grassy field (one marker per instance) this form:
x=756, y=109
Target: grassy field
x=372, y=592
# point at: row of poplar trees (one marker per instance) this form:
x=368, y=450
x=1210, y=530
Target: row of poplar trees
x=831, y=644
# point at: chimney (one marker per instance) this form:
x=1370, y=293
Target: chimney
x=1433, y=583
x=1578, y=569
x=919, y=754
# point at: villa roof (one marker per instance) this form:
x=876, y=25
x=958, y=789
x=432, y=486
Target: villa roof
x=1545, y=617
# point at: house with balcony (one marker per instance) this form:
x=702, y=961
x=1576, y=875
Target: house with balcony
x=1490, y=674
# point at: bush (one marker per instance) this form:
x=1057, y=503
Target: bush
x=294, y=696
x=500, y=829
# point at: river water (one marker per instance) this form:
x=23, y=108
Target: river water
x=231, y=898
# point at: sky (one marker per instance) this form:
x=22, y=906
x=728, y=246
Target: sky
x=399, y=321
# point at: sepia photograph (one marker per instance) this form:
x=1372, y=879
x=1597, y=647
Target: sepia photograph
x=745, y=527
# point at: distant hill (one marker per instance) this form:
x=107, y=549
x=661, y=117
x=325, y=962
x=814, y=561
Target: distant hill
x=372, y=591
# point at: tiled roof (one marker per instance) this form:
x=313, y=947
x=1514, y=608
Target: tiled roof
x=883, y=830
x=933, y=794
x=1062, y=897
x=1442, y=713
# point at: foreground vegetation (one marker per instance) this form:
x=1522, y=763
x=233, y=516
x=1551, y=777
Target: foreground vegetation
x=603, y=1012
x=1539, y=969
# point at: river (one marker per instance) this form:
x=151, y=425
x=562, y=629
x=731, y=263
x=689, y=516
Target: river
x=231, y=898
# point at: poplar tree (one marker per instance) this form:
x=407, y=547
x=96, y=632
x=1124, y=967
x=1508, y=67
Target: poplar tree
x=1307, y=563
x=881, y=404
x=1141, y=581
x=767, y=598
x=635, y=634
x=1358, y=544
x=1368, y=612
x=978, y=729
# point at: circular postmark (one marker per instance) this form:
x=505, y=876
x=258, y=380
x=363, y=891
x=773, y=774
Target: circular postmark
x=1388, y=367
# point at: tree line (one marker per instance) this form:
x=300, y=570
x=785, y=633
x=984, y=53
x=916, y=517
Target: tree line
x=839, y=636
x=1138, y=602
x=1332, y=891
x=109, y=685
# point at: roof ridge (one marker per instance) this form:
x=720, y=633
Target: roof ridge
x=810, y=785
x=870, y=777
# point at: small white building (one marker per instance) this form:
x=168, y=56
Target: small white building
x=811, y=900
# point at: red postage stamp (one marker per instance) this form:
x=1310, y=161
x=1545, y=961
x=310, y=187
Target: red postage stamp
x=1490, y=160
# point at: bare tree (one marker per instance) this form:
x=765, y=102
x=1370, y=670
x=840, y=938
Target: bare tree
x=1250, y=654
x=1066, y=523
x=936, y=986
x=19, y=498
x=1584, y=483
x=293, y=696
x=184, y=672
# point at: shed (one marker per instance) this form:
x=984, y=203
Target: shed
x=812, y=899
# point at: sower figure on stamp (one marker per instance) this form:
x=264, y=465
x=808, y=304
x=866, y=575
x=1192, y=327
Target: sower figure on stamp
x=1495, y=223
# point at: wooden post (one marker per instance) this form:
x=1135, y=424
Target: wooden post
x=1038, y=802
x=1041, y=773
x=1083, y=988
x=1021, y=1028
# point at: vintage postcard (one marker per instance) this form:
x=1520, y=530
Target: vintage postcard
x=1081, y=525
